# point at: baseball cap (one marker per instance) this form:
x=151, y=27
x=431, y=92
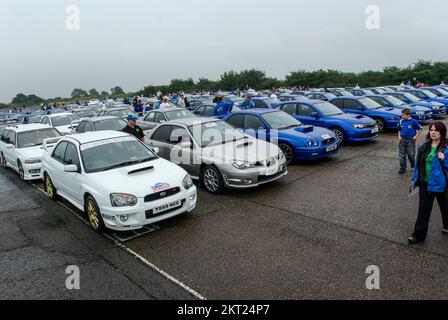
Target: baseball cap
x=132, y=117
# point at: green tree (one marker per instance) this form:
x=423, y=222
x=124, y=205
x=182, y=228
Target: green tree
x=78, y=93
x=116, y=91
x=93, y=93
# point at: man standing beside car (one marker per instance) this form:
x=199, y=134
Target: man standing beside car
x=408, y=132
x=133, y=129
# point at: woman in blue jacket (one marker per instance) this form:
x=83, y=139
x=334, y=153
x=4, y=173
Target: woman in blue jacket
x=430, y=176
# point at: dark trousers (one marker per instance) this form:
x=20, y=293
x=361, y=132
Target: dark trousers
x=425, y=208
x=406, y=149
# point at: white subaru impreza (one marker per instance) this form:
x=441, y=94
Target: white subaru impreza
x=117, y=181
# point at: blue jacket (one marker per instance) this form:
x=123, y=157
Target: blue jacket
x=138, y=108
x=437, y=180
x=222, y=109
x=247, y=104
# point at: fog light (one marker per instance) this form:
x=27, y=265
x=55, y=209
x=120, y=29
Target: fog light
x=124, y=218
x=248, y=181
x=192, y=197
x=35, y=171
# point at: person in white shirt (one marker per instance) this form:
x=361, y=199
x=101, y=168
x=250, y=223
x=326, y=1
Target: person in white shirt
x=181, y=102
x=165, y=103
x=272, y=95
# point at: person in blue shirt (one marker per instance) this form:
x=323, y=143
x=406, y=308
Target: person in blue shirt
x=222, y=108
x=138, y=108
x=408, y=132
x=430, y=176
x=248, y=103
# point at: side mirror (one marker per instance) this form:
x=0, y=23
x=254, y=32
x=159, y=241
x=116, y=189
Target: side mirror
x=9, y=146
x=162, y=121
x=156, y=150
x=186, y=145
x=71, y=168
x=360, y=108
x=314, y=115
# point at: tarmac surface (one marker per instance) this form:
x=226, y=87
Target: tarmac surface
x=310, y=235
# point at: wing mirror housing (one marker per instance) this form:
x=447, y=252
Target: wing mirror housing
x=71, y=168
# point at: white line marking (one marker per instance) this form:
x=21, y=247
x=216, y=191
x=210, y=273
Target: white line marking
x=133, y=253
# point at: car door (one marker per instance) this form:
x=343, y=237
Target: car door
x=304, y=111
x=255, y=127
x=291, y=109
x=150, y=120
x=184, y=157
x=353, y=106
x=161, y=139
x=72, y=180
x=56, y=166
x=8, y=151
x=81, y=127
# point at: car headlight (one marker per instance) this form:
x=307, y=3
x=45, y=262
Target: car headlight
x=239, y=164
x=32, y=161
x=123, y=200
x=311, y=143
x=359, y=126
x=280, y=156
x=187, y=182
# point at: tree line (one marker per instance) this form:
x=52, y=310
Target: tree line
x=431, y=73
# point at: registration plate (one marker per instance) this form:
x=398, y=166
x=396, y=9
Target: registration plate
x=166, y=207
x=332, y=148
x=272, y=171
x=375, y=130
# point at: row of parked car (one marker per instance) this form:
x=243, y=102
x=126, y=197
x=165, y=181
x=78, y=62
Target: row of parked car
x=124, y=184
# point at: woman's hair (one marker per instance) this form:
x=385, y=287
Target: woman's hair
x=440, y=127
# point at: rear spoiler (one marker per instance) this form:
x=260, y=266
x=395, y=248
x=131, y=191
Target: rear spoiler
x=49, y=143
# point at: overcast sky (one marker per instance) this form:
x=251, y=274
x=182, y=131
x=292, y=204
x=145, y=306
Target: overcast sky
x=134, y=43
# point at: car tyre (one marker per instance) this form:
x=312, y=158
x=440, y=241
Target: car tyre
x=288, y=152
x=93, y=214
x=49, y=188
x=340, y=136
x=212, y=180
x=21, y=172
x=3, y=161
x=381, y=125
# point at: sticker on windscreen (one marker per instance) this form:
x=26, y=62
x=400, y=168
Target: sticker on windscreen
x=103, y=142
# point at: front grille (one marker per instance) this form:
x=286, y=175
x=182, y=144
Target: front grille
x=162, y=195
x=329, y=141
x=149, y=215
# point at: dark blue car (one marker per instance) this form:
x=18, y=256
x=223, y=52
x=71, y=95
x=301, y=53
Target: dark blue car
x=262, y=102
x=296, y=140
x=386, y=118
x=426, y=95
x=347, y=127
x=324, y=96
x=437, y=109
x=421, y=114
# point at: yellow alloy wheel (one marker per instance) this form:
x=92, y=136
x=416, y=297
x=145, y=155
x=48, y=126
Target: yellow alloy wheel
x=49, y=187
x=93, y=215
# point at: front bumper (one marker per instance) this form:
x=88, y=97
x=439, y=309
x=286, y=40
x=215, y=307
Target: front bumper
x=438, y=112
x=32, y=171
x=392, y=124
x=359, y=135
x=249, y=178
x=141, y=214
x=316, y=153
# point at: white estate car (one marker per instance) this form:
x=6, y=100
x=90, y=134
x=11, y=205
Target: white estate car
x=119, y=182
x=21, y=148
x=64, y=122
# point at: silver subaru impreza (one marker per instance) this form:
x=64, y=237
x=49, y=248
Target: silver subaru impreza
x=217, y=154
